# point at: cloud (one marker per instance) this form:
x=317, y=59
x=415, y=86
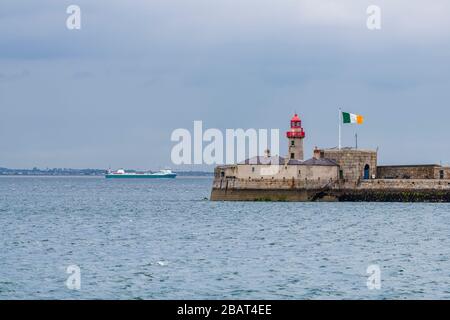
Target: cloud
x=135, y=72
x=14, y=75
x=113, y=29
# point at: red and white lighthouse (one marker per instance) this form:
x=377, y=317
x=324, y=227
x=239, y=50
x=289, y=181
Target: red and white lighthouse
x=295, y=136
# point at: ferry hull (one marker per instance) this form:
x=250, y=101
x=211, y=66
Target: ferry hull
x=140, y=176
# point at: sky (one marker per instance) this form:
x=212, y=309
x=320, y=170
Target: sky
x=111, y=93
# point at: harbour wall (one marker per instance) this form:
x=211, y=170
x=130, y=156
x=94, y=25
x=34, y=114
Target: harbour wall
x=377, y=190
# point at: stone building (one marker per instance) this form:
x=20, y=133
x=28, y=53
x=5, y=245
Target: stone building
x=345, y=164
x=279, y=168
x=354, y=164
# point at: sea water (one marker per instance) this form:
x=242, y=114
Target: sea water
x=163, y=239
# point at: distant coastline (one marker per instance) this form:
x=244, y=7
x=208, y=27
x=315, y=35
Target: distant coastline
x=80, y=172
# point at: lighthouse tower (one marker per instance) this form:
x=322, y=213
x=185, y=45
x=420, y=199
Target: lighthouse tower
x=295, y=137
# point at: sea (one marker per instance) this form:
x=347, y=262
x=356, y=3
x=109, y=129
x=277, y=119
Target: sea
x=97, y=238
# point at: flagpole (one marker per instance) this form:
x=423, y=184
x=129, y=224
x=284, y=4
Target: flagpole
x=340, y=115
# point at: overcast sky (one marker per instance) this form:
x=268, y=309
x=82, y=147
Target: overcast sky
x=111, y=93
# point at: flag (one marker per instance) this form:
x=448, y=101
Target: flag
x=352, y=118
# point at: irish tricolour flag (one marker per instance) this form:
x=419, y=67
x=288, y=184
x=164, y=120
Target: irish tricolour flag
x=352, y=118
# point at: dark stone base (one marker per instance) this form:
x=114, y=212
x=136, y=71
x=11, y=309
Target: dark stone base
x=356, y=195
x=270, y=195
x=395, y=195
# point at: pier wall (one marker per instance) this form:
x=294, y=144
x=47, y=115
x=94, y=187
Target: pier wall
x=388, y=190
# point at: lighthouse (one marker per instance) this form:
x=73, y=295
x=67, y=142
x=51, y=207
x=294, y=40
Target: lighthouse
x=295, y=136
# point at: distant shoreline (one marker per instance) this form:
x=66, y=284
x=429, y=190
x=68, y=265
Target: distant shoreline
x=68, y=172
